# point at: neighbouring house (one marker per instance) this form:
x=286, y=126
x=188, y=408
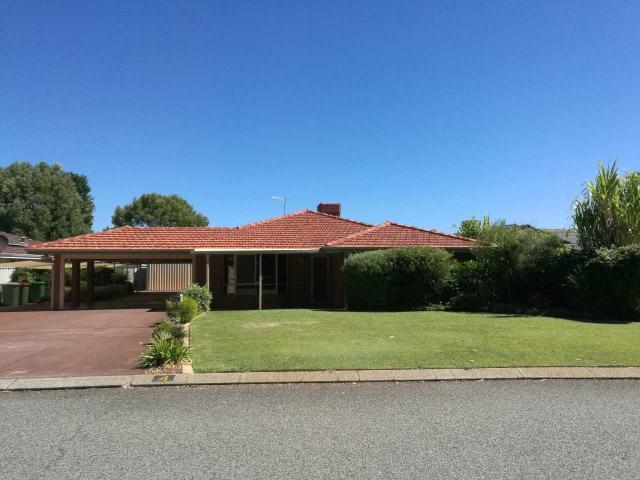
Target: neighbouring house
x=13, y=254
x=294, y=260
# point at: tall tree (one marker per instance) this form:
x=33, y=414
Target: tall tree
x=44, y=202
x=82, y=185
x=155, y=210
x=608, y=213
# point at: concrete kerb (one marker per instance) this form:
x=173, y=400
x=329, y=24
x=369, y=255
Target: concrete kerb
x=329, y=376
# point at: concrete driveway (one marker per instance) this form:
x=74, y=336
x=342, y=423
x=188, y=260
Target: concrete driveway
x=74, y=342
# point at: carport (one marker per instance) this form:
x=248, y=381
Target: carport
x=89, y=259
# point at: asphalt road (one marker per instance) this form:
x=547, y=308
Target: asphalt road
x=494, y=429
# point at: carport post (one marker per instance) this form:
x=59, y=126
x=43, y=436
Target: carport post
x=260, y=281
x=57, y=283
x=194, y=260
x=75, y=283
x=208, y=256
x=90, y=270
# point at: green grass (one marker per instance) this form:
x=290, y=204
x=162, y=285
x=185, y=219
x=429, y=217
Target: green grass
x=333, y=340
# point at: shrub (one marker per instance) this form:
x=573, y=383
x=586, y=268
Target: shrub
x=182, y=311
x=397, y=278
x=23, y=275
x=164, y=349
x=472, y=287
x=609, y=283
x=176, y=331
x=514, y=262
x=201, y=295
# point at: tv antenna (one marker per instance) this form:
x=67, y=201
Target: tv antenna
x=283, y=199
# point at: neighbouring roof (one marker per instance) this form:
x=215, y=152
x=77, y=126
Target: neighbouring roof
x=15, y=246
x=568, y=235
x=303, y=230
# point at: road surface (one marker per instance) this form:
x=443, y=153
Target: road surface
x=494, y=429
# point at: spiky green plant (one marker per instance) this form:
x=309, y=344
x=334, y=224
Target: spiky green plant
x=608, y=213
x=175, y=330
x=164, y=350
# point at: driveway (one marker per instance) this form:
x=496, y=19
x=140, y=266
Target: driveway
x=74, y=342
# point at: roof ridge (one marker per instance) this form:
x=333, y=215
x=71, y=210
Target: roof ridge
x=82, y=235
x=279, y=217
x=356, y=234
x=340, y=218
x=299, y=212
x=431, y=230
x=208, y=227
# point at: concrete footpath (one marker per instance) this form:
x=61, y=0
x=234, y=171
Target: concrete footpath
x=334, y=376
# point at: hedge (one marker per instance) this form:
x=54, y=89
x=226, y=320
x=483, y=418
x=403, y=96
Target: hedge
x=609, y=283
x=397, y=278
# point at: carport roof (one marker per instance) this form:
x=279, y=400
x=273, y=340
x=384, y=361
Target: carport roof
x=303, y=230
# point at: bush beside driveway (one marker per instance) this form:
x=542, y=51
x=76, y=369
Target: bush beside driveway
x=271, y=340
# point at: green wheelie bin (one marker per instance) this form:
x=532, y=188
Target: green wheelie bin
x=37, y=291
x=24, y=293
x=11, y=294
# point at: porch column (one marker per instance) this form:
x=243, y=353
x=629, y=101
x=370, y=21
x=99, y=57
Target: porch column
x=90, y=270
x=193, y=268
x=208, y=277
x=260, y=281
x=57, y=283
x=75, y=283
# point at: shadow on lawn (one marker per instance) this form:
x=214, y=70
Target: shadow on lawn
x=564, y=314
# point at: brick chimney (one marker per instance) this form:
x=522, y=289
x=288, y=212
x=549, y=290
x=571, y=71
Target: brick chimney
x=329, y=208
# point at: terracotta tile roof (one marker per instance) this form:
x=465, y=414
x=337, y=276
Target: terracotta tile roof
x=136, y=238
x=391, y=234
x=305, y=229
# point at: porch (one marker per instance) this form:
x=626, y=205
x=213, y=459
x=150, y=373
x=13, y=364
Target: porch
x=257, y=280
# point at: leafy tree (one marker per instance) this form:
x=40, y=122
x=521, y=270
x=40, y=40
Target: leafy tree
x=608, y=214
x=473, y=228
x=155, y=210
x=44, y=202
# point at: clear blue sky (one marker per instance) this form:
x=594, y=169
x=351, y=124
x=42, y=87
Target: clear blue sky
x=422, y=112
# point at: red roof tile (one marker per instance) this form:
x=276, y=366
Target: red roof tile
x=305, y=229
x=390, y=234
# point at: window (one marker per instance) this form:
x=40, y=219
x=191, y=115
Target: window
x=241, y=274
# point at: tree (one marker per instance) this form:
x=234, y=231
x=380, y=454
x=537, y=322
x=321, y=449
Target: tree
x=44, y=202
x=473, y=228
x=608, y=214
x=82, y=185
x=155, y=210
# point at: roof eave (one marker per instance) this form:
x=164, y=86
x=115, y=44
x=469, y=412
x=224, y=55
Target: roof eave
x=222, y=250
x=338, y=248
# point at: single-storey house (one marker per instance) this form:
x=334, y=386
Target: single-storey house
x=13, y=254
x=294, y=260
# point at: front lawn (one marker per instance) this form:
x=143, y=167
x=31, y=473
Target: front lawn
x=335, y=340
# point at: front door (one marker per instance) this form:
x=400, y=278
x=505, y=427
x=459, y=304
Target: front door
x=320, y=279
